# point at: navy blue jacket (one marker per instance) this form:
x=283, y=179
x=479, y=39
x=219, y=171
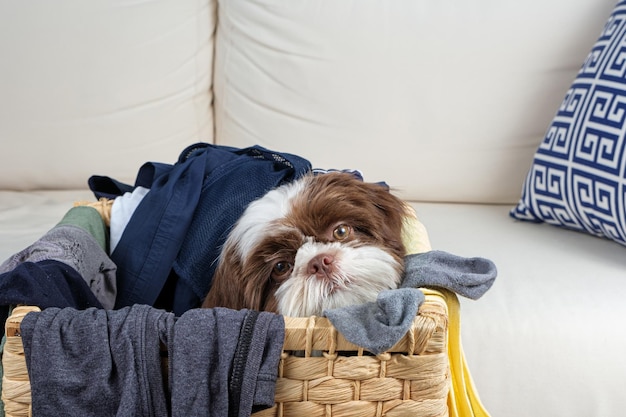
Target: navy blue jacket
x=169, y=250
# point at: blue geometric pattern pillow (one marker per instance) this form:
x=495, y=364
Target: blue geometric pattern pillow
x=578, y=176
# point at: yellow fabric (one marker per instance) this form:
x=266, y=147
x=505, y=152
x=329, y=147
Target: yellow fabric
x=463, y=399
x=414, y=234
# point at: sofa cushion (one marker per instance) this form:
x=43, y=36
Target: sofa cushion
x=457, y=96
x=577, y=178
x=548, y=317
x=548, y=338
x=99, y=87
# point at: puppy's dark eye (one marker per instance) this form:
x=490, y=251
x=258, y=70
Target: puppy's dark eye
x=281, y=270
x=342, y=231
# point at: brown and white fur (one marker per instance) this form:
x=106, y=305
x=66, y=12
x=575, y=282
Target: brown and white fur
x=320, y=242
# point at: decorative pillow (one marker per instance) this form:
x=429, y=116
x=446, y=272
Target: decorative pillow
x=578, y=176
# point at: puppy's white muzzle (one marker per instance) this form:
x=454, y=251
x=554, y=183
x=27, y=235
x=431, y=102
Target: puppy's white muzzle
x=333, y=275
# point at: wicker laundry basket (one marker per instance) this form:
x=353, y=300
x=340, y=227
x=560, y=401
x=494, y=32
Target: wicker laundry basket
x=320, y=373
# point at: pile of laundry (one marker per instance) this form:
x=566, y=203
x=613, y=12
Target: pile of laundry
x=117, y=292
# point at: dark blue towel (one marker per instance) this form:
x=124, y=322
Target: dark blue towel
x=44, y=284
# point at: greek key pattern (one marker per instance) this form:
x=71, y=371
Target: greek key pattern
x=578, y=176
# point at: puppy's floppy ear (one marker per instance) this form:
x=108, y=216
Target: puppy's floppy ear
x=238, y=286
x=393, y=211
x=226, y=290
x=257, y=294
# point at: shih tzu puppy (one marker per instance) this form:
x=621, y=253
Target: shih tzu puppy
x=321, y=242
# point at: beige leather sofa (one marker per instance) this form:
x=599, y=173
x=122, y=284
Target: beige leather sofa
x=447, y=101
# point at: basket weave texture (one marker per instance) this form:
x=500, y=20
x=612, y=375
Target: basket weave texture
x=320, y=373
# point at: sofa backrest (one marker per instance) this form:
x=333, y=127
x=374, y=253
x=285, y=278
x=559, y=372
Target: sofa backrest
x=100, y=87
x=445, y=101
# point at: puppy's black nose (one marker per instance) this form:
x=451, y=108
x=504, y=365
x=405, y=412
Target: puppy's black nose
x=321, y=265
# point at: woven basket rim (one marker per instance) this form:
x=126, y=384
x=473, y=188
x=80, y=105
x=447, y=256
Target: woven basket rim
x=318, y=334
x=312, y=333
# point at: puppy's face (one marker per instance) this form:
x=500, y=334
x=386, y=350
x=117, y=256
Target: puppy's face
x=318, y=243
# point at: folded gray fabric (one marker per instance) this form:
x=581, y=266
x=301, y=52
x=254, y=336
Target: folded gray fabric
x=96, y=362
x=224, y=362
x=77, y=248
x=377, y=326
x=468, y=277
